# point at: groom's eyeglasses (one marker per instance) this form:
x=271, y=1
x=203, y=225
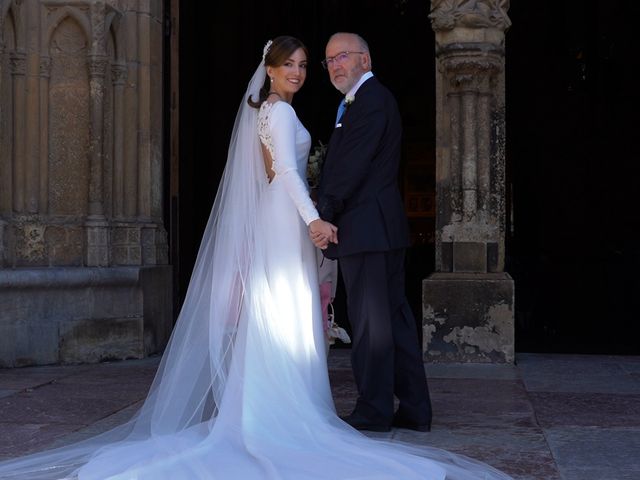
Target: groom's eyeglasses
x=336, y=59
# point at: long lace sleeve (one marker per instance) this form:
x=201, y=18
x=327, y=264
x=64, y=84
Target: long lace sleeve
x=282, y=128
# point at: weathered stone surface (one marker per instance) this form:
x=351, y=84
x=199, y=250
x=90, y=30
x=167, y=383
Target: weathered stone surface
x=468, y=318
x=70, y=315
x=93, y=340
x=65, y=245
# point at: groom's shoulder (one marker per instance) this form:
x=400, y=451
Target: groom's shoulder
x=378, y=95
x=374, y=86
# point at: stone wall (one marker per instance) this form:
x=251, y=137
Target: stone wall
x=81, y=179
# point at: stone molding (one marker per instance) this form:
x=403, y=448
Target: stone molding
x=45, y=67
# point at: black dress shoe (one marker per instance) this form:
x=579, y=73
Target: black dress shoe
x=400, y=422
x=360, y=423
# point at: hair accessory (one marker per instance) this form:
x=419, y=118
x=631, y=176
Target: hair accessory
x=266, y=48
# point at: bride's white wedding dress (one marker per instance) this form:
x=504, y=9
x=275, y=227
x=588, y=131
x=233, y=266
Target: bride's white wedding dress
x=242, y=391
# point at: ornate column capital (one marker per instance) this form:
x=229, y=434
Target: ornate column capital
x=470, y=71
x=98, y=65
x=119, y=73
x=450, y=14
x=18, y=63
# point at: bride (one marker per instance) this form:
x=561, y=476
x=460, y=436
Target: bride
x=242, y=391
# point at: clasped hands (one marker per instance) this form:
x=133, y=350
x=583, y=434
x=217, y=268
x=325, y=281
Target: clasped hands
x=322, y=233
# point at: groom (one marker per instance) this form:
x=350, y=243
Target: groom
x=359, y=194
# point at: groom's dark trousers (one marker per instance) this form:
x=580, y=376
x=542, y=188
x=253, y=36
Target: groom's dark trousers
x=385, y=355
x=359, y=194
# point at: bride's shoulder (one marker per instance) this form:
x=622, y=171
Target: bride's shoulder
x=277, y=110
x=278, y=105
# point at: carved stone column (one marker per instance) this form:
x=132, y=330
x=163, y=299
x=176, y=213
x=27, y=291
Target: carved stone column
x=18, y=71
x=5, y=139
x=97, y=226
x=468, y=302
x=118, y=75
x=97, y=70
x=45, y=75
x=32, y=107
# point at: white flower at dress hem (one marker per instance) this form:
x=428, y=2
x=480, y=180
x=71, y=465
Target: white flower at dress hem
x=348, y=100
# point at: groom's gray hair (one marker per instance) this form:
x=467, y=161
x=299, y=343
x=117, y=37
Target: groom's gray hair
x=363, y=45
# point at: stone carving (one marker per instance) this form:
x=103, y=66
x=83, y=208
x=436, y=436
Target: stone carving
x=97, y=27
x=45, y=67
x=449, y=14
x=98, y=65
x=118, y=74
x=18, y=64
x=31, y=245
x=69, y=121
x=471, y=72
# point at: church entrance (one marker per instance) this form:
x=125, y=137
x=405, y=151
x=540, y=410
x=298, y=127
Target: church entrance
x=220, y=45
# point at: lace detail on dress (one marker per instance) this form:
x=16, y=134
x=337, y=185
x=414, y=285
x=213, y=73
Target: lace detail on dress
x=263, y=128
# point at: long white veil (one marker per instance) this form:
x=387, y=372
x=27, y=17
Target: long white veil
x=191, y=380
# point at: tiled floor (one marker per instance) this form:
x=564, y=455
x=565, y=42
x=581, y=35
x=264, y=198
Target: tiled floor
x=569, y=417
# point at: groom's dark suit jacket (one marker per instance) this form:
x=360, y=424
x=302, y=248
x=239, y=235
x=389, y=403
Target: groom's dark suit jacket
x=359, y=187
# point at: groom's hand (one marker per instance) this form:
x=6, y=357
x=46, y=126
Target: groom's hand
x=321, y=233
x=319, y=240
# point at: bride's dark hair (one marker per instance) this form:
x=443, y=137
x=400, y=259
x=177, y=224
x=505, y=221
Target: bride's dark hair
x=279, y=52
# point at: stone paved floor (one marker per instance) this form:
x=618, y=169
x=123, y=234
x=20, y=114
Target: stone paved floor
x=569, y=417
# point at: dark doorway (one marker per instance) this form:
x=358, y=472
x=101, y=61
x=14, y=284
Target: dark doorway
x=220, y=47
x=574, y=159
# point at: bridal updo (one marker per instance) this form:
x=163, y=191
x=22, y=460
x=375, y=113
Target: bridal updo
x=276, y=52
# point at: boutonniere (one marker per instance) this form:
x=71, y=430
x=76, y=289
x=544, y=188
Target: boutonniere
x=348, y=100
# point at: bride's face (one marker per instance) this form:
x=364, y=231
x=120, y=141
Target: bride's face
x=289, y=77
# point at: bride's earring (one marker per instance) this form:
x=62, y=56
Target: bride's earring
x=271, y=78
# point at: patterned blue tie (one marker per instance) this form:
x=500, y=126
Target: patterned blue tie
x=341, y=108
